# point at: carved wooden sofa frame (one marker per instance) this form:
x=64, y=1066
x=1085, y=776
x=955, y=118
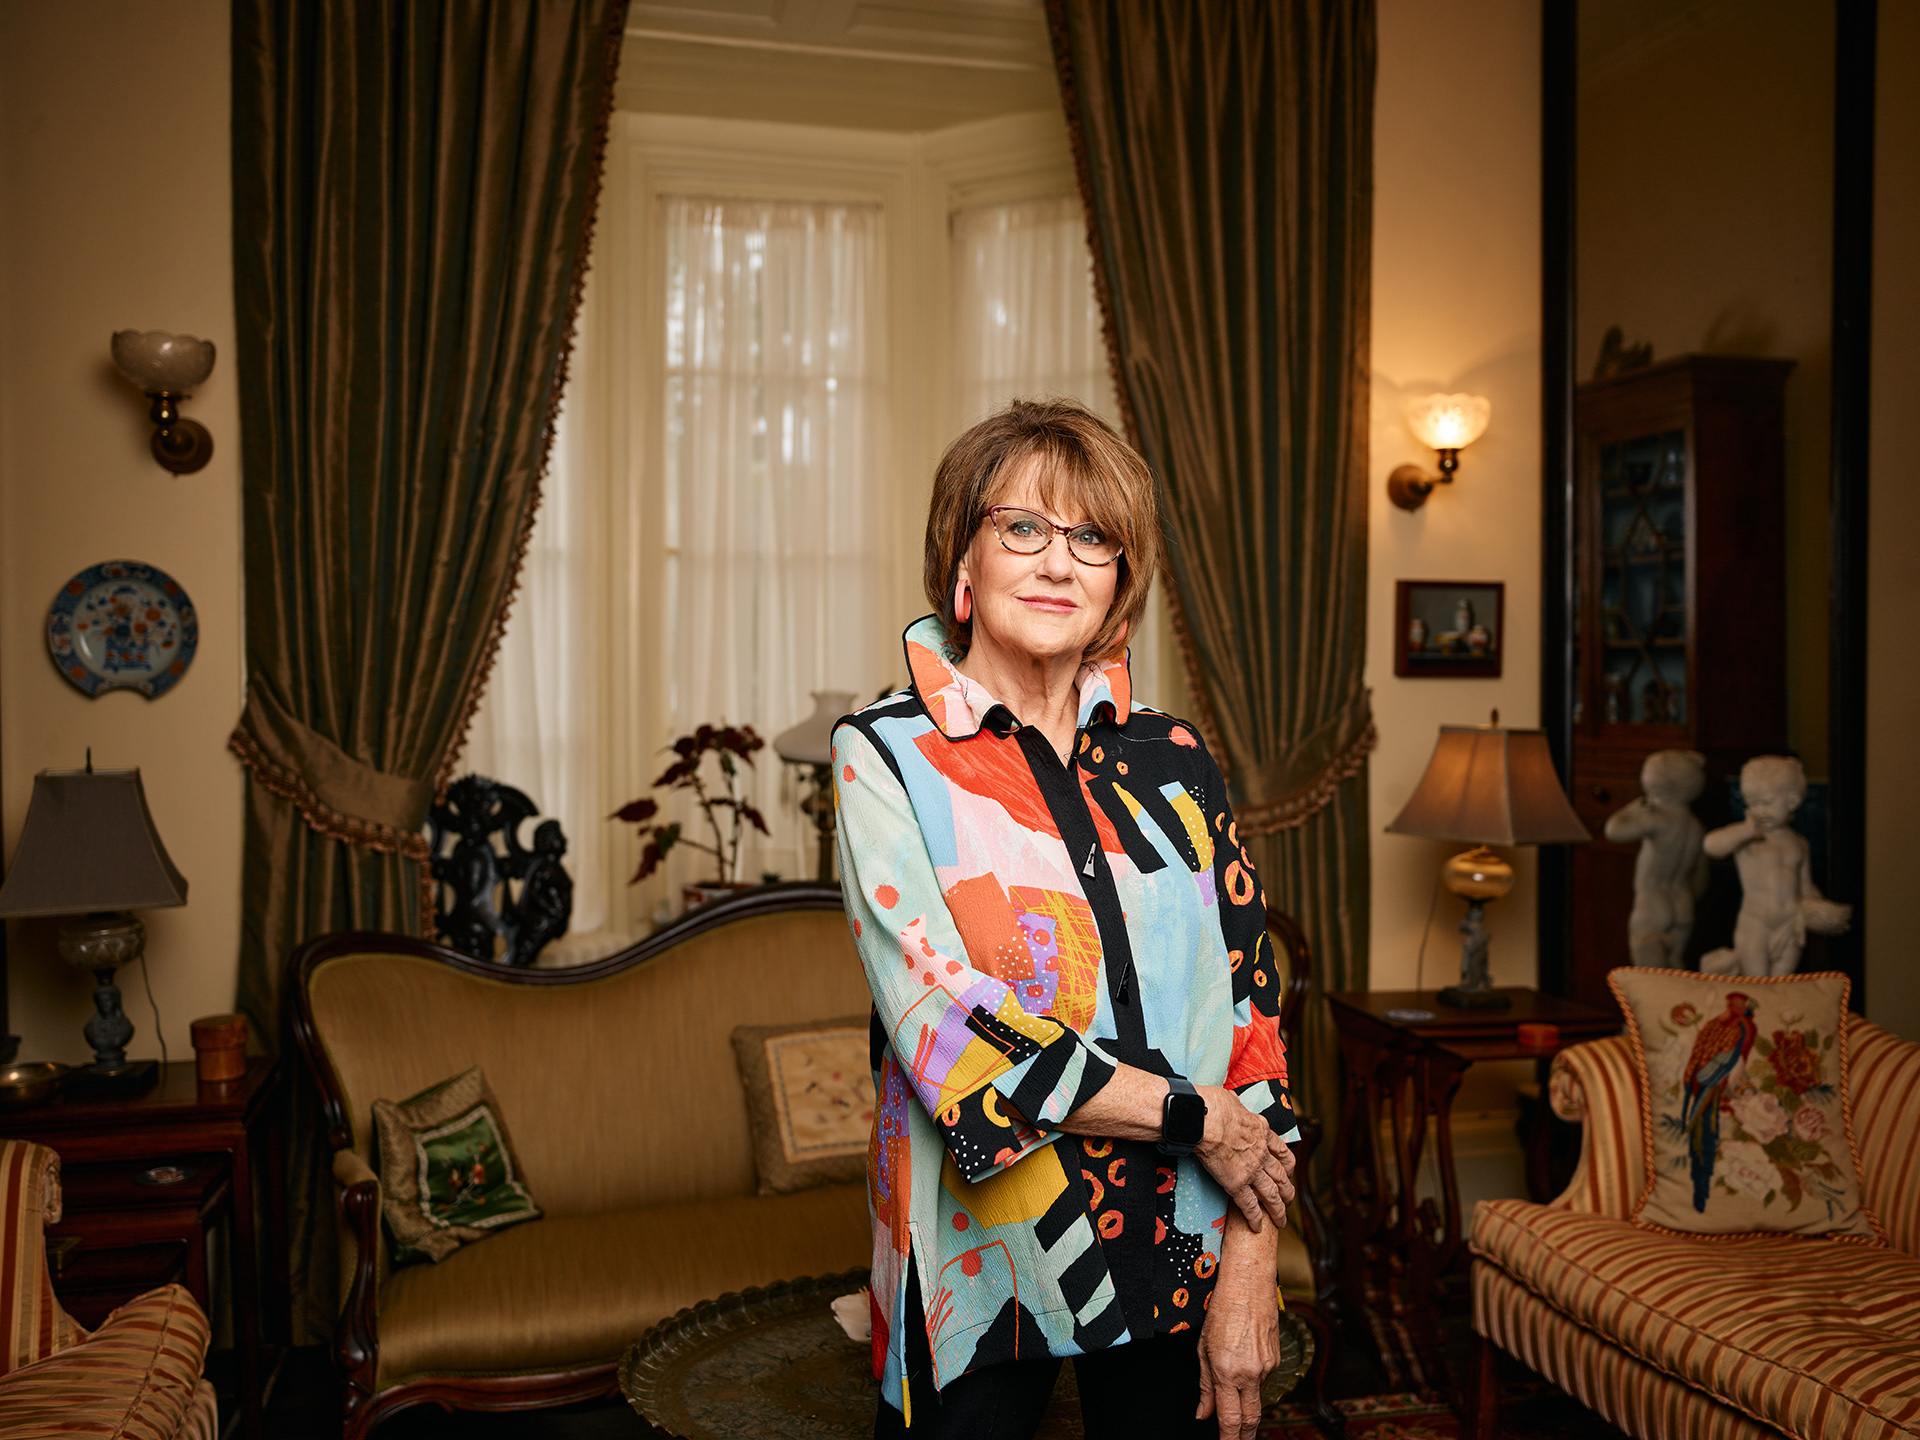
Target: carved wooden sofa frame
x=356, y=1344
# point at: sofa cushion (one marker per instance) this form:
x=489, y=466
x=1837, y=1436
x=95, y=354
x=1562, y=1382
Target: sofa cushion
x=579, y=1289
x=809, y=1088
x=1744, y=1112
x=1622, y=1390
x=447, y=1170
x=136, y=1378
x=1811, y=1337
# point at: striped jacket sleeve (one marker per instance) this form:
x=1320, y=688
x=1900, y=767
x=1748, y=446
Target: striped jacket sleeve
x=992, y=1076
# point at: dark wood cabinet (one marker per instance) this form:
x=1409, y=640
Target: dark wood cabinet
x=1680, y=606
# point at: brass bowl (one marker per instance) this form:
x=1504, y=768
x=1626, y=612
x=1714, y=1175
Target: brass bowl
x=24, y=1086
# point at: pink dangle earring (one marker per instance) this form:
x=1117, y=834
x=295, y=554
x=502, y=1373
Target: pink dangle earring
x=962, y=601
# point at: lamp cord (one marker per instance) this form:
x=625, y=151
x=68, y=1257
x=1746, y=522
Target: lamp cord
x=159, y=1033
x=1419, y=965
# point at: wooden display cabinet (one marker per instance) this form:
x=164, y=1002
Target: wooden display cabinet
x=1680, y=606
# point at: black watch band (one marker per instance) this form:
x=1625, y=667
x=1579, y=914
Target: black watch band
x=1183, y=1118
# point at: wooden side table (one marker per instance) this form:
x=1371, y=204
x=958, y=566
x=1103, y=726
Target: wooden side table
x=237, y=1127
x=1406, y=1072
x=122, y=1212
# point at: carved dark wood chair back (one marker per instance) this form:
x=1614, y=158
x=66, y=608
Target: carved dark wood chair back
x=1322, y=1315
x=494, y=897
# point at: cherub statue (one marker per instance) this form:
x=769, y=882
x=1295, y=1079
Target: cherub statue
x=1670, y=872
x=1779, y=901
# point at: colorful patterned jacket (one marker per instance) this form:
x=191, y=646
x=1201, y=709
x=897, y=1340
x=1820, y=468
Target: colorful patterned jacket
x=1024, y=926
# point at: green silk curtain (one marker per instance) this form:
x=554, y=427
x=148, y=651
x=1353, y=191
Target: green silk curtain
x=1225, y=152
x=413, y=190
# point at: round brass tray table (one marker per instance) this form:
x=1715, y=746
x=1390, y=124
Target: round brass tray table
x=774, y=1364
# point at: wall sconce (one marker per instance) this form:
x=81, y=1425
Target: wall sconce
x=169, y=368
x=1447, y=423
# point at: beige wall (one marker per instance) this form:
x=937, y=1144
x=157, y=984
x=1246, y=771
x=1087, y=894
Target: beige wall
x=114, y=213
x=1892, y=903
x=1456, y=306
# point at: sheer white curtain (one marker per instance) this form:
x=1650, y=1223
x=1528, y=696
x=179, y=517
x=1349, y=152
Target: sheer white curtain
x=1027, y=326
x=775, y=423
x=538, y=725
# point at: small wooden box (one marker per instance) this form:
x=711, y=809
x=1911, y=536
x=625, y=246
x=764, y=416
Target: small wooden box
x=220, y=1047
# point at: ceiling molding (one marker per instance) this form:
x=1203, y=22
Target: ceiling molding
x=796, y=47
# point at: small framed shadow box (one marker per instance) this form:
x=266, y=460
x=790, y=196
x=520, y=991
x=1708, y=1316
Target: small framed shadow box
x=1449, y=627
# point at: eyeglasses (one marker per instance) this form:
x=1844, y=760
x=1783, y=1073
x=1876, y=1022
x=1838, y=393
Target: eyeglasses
x=1025, y=533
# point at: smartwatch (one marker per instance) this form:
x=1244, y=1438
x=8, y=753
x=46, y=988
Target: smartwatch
x=1183, y=1118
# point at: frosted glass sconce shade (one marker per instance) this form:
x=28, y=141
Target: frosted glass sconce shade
x=1448, y=423
x=168, y=368
x=161, y=363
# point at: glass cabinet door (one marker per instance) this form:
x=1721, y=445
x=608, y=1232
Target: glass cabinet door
x=1643, y=581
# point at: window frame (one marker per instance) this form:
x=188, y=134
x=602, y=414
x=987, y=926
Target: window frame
x=918, y=181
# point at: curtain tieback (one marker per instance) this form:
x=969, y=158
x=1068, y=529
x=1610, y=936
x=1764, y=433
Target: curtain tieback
x=340, y=796
x=1284, y=793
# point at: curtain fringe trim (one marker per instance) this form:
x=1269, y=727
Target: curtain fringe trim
x=613, y=32
x=1203, y=716
x=289, y=786
x=1290, y=812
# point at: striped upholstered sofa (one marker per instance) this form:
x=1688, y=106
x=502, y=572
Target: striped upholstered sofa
x=135, y=1378
x=1709, y=1339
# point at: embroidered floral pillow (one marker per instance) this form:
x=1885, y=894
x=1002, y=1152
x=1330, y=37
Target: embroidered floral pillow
x=448, y=1175
x=809, y=1089
x=1743, y=1104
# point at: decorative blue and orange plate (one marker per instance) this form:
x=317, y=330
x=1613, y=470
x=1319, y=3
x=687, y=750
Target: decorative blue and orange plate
x=123, y=625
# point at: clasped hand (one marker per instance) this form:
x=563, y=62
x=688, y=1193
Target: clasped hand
x=1253, y=1165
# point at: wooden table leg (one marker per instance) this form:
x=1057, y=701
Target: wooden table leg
x=279, y=1282
x=246, y=1289
x=1376, y=1207
x=1435, y=1238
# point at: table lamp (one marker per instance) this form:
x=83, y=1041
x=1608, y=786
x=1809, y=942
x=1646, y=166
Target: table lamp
x=89, y=849
x=809, y=747
x=1486, y=786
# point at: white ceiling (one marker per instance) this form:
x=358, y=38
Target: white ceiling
x=899, y=65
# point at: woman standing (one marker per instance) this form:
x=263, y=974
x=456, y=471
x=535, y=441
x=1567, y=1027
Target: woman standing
x=1079, y=1143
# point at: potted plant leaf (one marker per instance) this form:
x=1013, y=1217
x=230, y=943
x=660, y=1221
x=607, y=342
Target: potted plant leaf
x=722, y=805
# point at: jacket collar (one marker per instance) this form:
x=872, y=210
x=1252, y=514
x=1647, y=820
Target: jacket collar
x=961, y=707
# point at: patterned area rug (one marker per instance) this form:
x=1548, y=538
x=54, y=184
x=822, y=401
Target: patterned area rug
x=1529, y=1411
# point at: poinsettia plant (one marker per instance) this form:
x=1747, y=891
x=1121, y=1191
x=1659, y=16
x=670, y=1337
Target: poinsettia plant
x=723, y=806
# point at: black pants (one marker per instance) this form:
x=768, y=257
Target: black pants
x=1147, y=1390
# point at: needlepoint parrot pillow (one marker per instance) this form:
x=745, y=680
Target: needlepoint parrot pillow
x=1744, y=1112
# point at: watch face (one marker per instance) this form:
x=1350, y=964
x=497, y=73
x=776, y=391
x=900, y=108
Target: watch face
x=1184, y=1121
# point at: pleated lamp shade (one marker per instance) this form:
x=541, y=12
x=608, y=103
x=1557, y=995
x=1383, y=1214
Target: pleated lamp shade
x=1490, y=786
x=89, y=844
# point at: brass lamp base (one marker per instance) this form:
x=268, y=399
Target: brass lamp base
x=1477, y=875
x=102, y=943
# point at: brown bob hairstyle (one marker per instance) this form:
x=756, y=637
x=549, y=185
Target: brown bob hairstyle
x=1081, y=466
